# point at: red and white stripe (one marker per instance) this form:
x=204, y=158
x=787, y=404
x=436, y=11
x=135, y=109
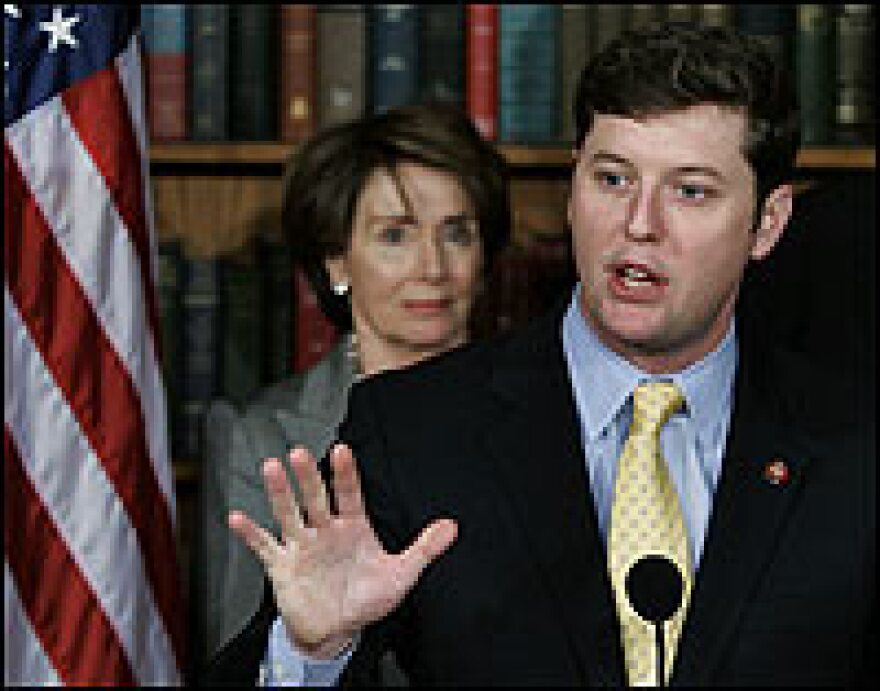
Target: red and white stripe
x=90, y=568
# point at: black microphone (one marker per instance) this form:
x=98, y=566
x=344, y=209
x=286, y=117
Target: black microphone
x=654, y=587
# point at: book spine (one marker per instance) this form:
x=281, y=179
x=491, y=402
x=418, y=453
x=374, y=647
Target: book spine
x=855, y=75
x=242, y=341
x=168, y=288
x=253, y=59
x=441, y=50
x=342, y=76
x=772, y=24
x=278, y=332
x=297, y=72
x=202, y=365
x=642, y=15
x=529, y=72
x=814, y=71
x=315, y=334
x=481, y=57
x=681, y=12
x=716, y=15
x=210, y=72
x=575, y=50
x=394, y=56
x=165, y=43
x=608, y=23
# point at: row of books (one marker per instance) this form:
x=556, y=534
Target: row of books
x=236, y=323
x=269, y=73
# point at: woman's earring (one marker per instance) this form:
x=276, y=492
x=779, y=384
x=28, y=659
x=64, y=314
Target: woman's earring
x=340, y=289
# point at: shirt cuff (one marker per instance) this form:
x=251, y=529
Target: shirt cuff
x=285, y=665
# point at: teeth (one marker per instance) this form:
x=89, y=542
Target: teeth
x=632, y=274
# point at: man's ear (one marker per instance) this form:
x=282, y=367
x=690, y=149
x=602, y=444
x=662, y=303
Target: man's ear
x=775, y=215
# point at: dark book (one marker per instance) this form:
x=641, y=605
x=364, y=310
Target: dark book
x=441, y=53
x=683, y=12
x=315, y=335
x=297, y=58
x=394, y=55
x=202, y=361
x=278, y=331
x=716, y=15
x=529, y=70
x=854, y=107
x=772, y=24
x=342, y=75
x=608, y=23
x=814, y=70
x=168, y=289
x=575, y=52
x=252, y=63
x=243, y=321
x=210, y=72
x=642, y=15
x=481, y=68
x=166, y=54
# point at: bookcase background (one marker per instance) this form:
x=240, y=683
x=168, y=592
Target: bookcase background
x=217, y=197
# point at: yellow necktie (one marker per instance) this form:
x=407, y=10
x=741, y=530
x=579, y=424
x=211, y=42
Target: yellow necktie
x=646, y=519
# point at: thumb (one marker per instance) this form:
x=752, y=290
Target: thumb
x=434, y=539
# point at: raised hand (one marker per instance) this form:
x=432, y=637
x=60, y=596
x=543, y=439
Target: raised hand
x=330, y=573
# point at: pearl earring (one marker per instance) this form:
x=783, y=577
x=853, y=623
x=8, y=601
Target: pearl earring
x=340, y=289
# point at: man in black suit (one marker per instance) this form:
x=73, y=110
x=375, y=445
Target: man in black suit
x=471, y=533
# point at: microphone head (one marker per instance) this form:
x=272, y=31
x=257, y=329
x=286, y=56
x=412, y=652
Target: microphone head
x=654, y=587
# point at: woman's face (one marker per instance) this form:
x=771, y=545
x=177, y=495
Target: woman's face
x=413, y=265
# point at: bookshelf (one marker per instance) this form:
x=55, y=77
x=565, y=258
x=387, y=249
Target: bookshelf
x=549, y=157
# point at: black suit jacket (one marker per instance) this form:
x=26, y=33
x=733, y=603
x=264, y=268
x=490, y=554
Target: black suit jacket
x=489, y=436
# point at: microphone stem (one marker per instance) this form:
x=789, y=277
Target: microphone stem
x=661, y=650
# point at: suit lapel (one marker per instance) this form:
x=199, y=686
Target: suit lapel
x=749, y=511
x=535, y=443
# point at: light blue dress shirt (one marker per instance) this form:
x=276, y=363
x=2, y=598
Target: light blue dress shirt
x=692, y=442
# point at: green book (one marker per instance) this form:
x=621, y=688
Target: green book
x=278, y=331
x=854, y=112
x=168, y=289
x=814, y=67
x=253, y=56
x=575, y=52
x=242, y=370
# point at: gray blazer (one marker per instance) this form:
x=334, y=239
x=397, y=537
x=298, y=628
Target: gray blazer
x=303, y=410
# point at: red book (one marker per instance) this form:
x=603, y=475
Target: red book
x=297, y=72
x=482, y=68
x=166, y=59
x=314, y=333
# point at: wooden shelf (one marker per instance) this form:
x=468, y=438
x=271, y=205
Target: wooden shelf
x=275, y=153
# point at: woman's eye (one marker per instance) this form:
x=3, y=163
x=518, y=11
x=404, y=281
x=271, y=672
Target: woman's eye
x=392, y=234
x=460, y=233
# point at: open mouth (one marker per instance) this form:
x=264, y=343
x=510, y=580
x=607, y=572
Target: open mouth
x=637, y=275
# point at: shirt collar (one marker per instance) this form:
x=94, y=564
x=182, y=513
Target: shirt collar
x=604, y=380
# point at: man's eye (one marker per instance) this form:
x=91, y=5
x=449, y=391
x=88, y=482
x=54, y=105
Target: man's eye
x=694, y=192
x=609, y=179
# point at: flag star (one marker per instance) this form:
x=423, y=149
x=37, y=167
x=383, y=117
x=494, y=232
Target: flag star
x=60, y=29
x=12, y=11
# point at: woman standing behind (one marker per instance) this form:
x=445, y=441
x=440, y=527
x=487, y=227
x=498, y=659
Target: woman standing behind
x=395, y=219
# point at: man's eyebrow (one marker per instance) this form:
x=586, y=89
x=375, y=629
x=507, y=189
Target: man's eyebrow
x=606, y=156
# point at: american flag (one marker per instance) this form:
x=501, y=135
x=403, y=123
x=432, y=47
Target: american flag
x=92, y=592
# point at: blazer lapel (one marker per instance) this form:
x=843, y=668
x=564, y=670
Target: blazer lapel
x=749, y=511
x=535, y=443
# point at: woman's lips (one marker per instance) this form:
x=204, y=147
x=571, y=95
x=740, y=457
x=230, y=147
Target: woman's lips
x=427, y=306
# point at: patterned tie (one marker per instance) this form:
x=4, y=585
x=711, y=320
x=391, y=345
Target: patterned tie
x=646, y=519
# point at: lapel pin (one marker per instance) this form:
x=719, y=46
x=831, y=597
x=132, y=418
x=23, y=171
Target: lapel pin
x=776, y=473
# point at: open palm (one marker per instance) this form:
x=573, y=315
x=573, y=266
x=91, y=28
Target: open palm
x=330, y=574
